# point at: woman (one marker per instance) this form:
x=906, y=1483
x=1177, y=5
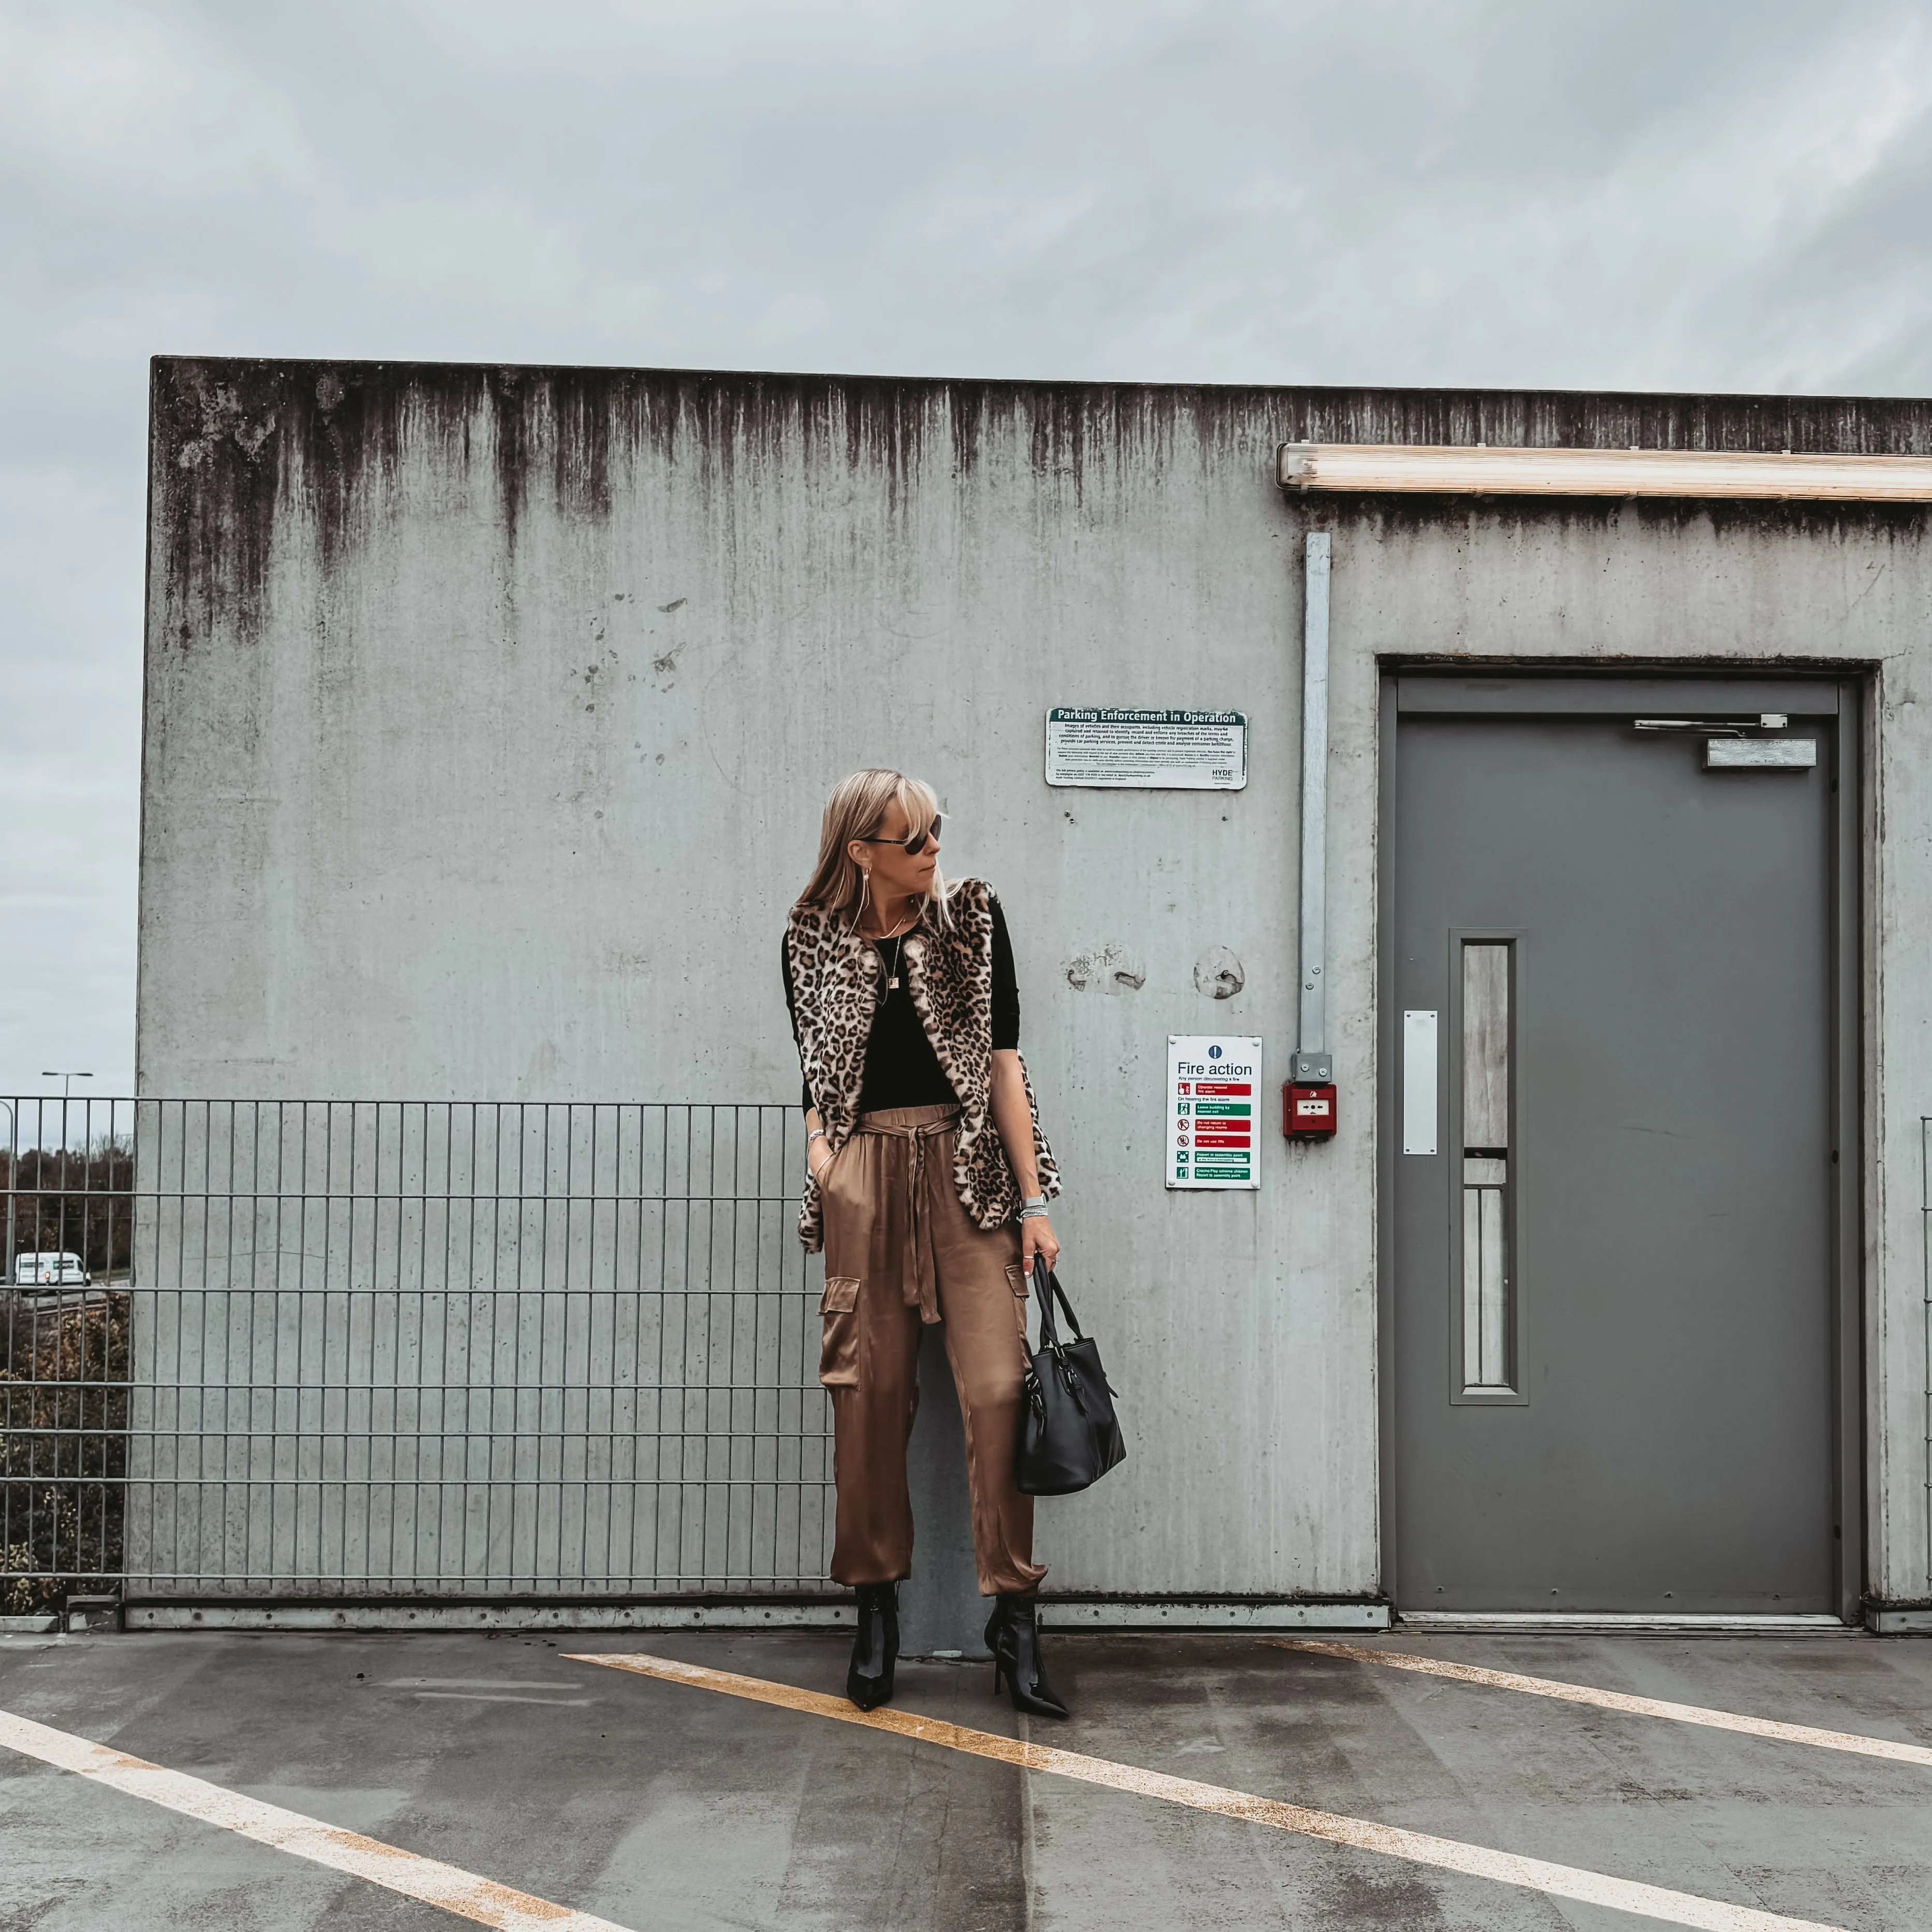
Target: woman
x=927, y=1190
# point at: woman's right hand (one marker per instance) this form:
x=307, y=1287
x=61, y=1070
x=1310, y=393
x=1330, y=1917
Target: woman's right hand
x=818, y=1167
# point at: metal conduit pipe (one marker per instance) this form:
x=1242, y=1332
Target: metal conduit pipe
x=1313, y=1061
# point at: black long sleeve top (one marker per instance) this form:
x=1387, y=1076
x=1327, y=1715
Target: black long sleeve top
x=902, y=1069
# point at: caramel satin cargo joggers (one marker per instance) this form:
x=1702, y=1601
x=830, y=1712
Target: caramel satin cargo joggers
x=900, y=1251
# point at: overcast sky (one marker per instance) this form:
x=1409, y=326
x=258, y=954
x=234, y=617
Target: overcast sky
x=1682, y=194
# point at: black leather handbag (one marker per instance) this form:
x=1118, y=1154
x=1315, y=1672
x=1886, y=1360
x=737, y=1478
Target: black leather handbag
x=1068, y=1436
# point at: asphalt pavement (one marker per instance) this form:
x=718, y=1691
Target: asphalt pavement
x=648, y=1802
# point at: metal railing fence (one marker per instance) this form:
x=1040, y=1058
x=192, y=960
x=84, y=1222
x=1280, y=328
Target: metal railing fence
x=462, y=1350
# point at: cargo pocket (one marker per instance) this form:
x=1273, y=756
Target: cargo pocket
x=1022, y=1288
x=838, y=1352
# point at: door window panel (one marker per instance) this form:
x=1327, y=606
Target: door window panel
x=1489, y=1315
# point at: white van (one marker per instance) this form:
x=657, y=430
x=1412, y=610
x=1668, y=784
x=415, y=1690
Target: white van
x=49, y=1269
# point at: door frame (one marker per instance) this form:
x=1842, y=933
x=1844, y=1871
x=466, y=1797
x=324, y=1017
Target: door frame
x=1506, y=689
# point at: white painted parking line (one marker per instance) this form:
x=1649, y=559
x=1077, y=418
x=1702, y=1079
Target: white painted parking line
x=460, y=1892
x=1854, y=1741
x=1588, y=1887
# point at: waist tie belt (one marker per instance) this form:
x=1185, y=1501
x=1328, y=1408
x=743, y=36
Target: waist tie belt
x=922, y=1286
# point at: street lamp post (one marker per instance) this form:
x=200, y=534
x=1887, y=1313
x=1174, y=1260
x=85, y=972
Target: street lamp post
x=67, y=1080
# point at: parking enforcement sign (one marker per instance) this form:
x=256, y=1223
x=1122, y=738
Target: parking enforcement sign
x=1213, y=1091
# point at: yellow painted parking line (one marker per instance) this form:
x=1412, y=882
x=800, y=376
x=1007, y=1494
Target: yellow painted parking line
x=1588, y=1887
x=1617, y=1700
x=455, y=1891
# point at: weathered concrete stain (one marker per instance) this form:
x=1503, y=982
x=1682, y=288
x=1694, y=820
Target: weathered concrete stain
x=1219, y=974
x=1108, y=969
x=238, y=445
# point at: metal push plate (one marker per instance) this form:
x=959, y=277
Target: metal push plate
x=1418, y=1082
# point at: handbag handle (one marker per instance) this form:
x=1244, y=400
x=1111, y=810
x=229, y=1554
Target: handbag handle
x=1046, y=1285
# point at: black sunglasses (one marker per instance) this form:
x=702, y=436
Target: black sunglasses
x=916, y=844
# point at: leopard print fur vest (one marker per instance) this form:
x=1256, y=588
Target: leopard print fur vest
x=838, y=984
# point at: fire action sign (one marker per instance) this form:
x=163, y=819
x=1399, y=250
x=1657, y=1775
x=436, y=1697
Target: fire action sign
x=1213, y=1084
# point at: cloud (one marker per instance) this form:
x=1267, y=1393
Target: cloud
x=114, y=113
x=1728, y=195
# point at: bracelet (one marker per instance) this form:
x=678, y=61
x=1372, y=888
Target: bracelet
x=817, y=1134
x=1033, y=1208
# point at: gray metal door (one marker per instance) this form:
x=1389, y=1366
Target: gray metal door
x=1611, y=974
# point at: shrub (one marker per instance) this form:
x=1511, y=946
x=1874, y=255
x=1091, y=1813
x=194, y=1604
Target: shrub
x=63, y=1447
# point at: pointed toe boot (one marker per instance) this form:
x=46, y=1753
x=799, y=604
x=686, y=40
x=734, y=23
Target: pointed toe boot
x=1012, y=1635
x=875, y=1648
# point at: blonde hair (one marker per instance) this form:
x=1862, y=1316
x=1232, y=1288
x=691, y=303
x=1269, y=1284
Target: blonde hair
x=855, y=810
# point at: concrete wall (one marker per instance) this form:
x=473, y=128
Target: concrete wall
x=489, y=712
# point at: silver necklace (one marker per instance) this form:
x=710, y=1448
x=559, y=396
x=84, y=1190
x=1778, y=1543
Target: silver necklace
x=897, y=937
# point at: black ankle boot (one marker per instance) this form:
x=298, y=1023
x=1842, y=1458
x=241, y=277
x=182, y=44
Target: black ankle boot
x=1012, y=1635
x=875, y=1649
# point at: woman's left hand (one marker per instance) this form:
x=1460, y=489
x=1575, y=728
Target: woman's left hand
x=1037, y=1236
